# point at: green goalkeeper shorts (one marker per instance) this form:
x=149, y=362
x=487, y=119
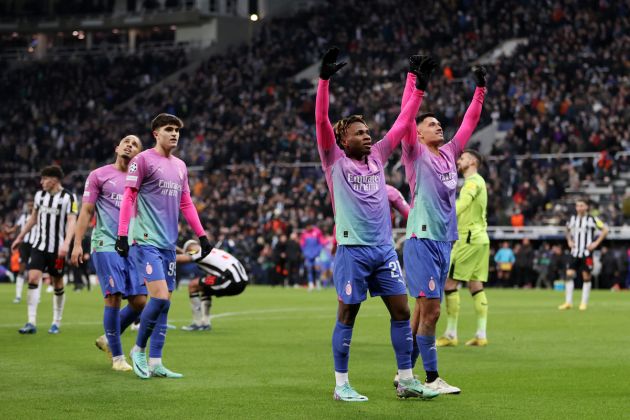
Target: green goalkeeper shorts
x=469, y=261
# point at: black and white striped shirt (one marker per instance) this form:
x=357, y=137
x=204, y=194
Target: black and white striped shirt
x=21, y=222
x=52, y=217
x=582, y=229
x=225, y=267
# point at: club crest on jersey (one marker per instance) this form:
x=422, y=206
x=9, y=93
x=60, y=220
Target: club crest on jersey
x=348, y=289
x=149, y=269
x=133, y=167
x=432, y=284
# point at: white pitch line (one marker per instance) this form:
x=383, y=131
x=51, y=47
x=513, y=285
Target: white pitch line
x=221, y=315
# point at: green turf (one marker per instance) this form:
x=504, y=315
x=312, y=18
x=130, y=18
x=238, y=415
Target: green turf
x=268, y=356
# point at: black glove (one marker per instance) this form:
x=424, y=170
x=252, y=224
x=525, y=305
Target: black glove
x=329, y=64
x=414, y=63
x=122, y=246
x=479, y=75
x=206, y=248
x=423, y=67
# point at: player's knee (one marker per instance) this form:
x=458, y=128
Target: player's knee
x=113, y=301
x=431, y=316
x=400, y=314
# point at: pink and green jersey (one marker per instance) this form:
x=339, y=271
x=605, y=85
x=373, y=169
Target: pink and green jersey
x=432, y=178
x=104, y=188
x=357, y=188
x=160, y=181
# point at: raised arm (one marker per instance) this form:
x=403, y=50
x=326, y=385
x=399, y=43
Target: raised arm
x=473, y=113
x=326, y=144
x=401, y=126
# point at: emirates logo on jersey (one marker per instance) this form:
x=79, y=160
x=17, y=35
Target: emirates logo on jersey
x=133, y=167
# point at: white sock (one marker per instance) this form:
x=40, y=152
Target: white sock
x=32, y=299
x=19, y=285
x=155, y=361
x=481, y=334
x=586, y=292
x=135, y=348
x=195, y=307
x=405, y=374
x=59, y=301
x=568, y=291
x=118, y=358
x=206, y=304
x=341, y=378
x=450, y=334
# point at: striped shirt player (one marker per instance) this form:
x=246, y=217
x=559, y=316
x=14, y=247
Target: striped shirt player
x=582, y=241
x=365, y=258
x=582, y=230
x=25, y=247
x=219, y=274
x=24, y=250
x=52, y=219
x=55, y=213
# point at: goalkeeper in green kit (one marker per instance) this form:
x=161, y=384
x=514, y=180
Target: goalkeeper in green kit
x=471, y=253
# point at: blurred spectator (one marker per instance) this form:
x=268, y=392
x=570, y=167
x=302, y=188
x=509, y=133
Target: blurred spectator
x=504, y=260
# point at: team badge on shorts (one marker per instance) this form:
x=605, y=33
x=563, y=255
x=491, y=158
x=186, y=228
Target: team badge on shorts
x=111, y=281
x=431, y=284
x=149, y=269
x=348, y=289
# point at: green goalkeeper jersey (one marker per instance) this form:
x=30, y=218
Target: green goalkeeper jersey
x=471, y=208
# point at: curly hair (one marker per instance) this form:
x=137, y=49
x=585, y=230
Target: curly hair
x=341, y=127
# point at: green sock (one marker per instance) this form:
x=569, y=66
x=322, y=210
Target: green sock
x=452, y=312
x=481, y=307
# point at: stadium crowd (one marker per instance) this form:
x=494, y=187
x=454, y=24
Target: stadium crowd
x=250, y=126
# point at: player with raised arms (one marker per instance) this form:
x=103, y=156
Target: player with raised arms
x=157, y=186
x=365, y=258
x=102, y=196
x=431, y=172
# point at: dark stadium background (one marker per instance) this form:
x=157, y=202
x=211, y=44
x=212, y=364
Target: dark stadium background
x=76, y=76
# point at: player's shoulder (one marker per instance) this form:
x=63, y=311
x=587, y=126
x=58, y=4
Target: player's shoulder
x=67, y=193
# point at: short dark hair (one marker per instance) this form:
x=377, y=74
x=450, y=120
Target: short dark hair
x=583, y=200
x=422, y=117
x=53, y=171
x=166, y=119
x=476, y=155
x=341, y=127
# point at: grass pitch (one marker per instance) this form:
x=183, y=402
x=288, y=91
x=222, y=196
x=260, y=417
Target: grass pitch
x=269, y=356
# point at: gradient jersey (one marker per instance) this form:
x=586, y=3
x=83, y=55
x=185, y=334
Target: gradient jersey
x=160, y=182
x=471, y=211
x=357, y=188
x=432, y=178
x=104, y=188
x=311, y=242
